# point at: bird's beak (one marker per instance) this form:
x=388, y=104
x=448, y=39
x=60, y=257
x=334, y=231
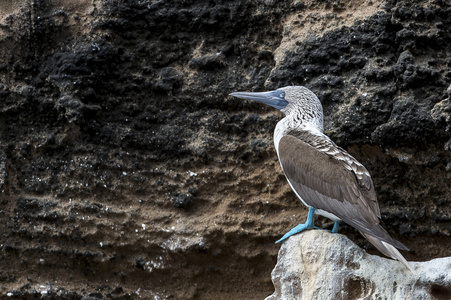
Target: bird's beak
x=273, y=98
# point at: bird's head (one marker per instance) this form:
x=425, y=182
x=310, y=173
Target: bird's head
x=293, y=101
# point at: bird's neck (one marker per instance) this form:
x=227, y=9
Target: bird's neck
x=290, y=123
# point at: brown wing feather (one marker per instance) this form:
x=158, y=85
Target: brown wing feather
x=326, y=177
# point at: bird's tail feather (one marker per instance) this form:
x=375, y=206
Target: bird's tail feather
x=388, y=250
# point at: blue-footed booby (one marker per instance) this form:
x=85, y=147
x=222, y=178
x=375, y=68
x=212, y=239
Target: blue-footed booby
x=326, y=178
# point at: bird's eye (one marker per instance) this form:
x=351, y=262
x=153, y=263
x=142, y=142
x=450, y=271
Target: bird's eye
x=282, y=95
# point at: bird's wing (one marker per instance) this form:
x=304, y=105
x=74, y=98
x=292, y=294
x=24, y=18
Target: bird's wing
x=326, y=177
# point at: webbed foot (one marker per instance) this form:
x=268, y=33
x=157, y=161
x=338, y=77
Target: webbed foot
x=301, y=227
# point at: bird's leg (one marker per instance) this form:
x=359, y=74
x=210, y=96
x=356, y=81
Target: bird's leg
x=335, y=228
x=301, y=227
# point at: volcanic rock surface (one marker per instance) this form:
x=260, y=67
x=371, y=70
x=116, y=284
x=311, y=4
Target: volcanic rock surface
x=127, y=171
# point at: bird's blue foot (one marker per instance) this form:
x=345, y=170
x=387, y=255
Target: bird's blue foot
x=335, y=228
x=301, y=227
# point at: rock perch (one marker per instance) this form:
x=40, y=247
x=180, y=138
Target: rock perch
x=321, y=265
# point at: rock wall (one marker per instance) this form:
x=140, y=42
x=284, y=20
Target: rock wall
x=126, y=171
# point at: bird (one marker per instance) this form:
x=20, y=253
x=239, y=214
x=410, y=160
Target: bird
x=325, y=177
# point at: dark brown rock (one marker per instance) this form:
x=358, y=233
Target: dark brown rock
x=110, y=110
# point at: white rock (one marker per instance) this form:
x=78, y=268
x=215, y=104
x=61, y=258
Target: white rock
x=317, y=264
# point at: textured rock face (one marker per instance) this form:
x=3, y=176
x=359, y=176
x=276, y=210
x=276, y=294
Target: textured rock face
x=123, y=160
x=319, y=265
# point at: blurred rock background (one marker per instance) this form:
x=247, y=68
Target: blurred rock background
x=126, y=171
